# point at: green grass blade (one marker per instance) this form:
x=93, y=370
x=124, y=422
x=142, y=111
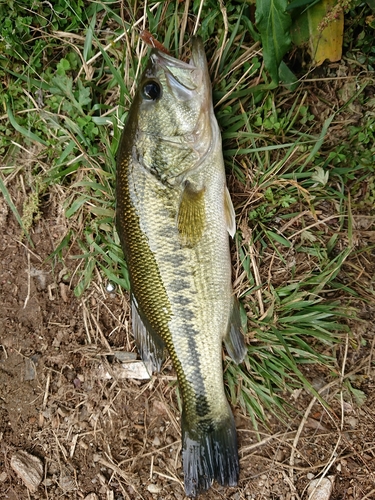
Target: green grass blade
x=22, y=130
x=9, y=201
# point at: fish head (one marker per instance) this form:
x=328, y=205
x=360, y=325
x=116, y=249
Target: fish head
x=174, y=105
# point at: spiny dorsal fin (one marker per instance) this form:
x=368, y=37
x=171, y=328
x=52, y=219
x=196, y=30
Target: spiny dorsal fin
x=191, y=217
x=230, y=215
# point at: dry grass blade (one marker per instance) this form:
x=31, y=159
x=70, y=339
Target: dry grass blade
x=121, y=474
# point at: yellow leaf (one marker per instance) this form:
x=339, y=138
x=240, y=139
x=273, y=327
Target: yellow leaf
x=326, y=44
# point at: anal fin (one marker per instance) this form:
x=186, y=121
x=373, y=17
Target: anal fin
x=149, y=343
x=234, y=340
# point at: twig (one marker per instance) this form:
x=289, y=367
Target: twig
x=104, y=340
x=315, y=224
x=107, y=47
x=257, y=278
x=370, y=358
x=85, y=313
x=333, y=457
x=28, y=281
x=159, y=450
x=46, y=391
x=296, y=439
x=299, y=468
x=184, y=23
x=260, y=443
x=198, y=17
x=368, y=495
x=168, y=477
x=226, y=29
x=300, y=429
x=120, y=473
x=151, y=467
x=294, y=219
x=234, y=86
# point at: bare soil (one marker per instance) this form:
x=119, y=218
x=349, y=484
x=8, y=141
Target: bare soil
x=113, y=438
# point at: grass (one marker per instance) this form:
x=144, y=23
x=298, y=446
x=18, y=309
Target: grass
x=70, y=74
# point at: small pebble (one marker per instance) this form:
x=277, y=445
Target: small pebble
x=280, y=455
x=353, y=422
x=156, y=441
x=30, y=372
x=124, y=356
x=91, y=496
x=154, y=488
x=321, y=488
x=66, y=481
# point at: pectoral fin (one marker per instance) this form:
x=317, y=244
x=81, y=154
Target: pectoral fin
x=191, y=215
x=149, y=343
x=234, y=340
x=230, y=214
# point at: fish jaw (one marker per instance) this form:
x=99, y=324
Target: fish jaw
x=193, y=75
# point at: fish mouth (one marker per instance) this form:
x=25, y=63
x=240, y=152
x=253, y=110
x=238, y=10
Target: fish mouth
x=180, y=74
x=198, y=55
x=197, y=60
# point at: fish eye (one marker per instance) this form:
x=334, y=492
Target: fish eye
x=151, y=90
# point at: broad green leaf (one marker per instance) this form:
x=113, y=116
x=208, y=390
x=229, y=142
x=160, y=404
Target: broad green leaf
x=359, y=396
x=287, y=77
x=296, y=4
x=273, y=23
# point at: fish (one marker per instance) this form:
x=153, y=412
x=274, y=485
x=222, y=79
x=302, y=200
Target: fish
x=174, y=215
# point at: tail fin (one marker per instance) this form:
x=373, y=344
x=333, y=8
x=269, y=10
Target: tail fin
x=209, y=451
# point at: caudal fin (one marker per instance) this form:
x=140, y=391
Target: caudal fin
x=209, y=452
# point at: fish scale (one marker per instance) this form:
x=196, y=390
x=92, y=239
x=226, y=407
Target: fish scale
x=173, y=217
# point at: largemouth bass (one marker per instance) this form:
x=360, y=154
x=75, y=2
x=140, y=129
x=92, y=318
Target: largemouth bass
x=174, y=214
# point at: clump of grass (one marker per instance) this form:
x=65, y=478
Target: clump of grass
x=289, y=186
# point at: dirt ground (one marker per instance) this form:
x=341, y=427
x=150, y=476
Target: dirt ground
x=95, y=435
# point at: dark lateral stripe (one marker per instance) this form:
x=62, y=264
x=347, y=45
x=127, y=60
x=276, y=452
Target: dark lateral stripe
x=201, y=405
